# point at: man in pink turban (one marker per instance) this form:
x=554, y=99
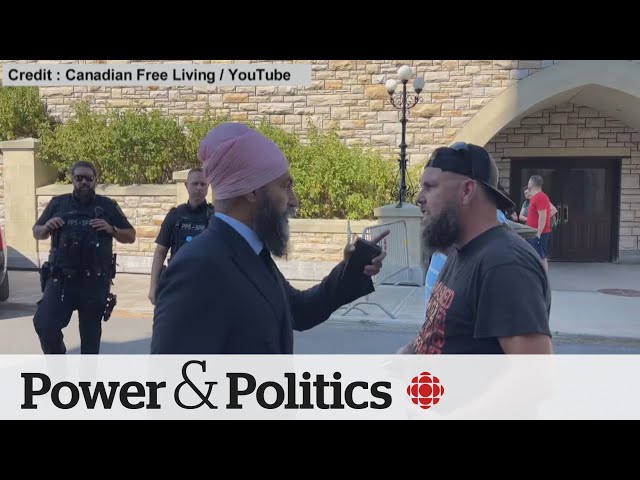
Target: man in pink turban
x=222, y=293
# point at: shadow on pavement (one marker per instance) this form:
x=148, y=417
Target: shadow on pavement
x=132, y=347
x=9, y=311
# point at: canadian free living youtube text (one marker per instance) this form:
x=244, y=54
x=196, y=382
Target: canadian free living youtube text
x=176, y=74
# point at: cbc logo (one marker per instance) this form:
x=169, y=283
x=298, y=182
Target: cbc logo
x=425, y=390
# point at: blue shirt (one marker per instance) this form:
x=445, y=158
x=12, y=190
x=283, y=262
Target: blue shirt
x=249, y=235
x=438, y=260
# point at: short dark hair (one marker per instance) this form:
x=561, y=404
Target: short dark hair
x=536, y=180
x=193, y=170
x=83, y=163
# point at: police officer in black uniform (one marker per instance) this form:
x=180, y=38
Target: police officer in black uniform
x=81, y=265
x=181, y=224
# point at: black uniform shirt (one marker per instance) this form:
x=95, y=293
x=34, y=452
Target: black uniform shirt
x=58, y=206
x=167, y=236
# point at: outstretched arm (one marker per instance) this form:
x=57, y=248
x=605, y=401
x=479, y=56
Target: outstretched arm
x=343, y=285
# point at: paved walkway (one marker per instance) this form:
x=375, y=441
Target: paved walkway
x=578, y=308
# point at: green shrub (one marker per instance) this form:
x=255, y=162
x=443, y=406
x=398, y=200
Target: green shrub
x=127, y=146
x=333, y=180
x=414, y=172
x=147, y=147
x=23, y=114
x=289, y=143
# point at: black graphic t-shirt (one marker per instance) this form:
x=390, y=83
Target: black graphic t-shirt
x=495, y=286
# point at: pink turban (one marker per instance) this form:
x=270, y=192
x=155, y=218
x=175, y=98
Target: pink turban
x=238, y=160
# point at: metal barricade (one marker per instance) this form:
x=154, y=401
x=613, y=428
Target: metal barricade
x=395, y=269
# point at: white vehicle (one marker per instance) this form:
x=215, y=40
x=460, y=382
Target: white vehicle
x=4, y=275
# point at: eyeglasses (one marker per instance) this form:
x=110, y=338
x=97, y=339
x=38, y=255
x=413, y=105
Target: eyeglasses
x=464, y=148
x=80, y=178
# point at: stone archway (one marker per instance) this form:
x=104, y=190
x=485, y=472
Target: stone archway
x=609, y=86
x=602, y=102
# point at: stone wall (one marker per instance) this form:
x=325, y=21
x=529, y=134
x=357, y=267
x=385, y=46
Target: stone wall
x=574, y=126
x=321, y=240
x=348, y=95
x=315, y=245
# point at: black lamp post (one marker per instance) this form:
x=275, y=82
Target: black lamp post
x=404, y=102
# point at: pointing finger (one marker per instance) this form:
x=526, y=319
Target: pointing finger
x=380, y=236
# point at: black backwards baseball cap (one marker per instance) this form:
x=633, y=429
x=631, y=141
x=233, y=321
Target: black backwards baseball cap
x=474, y=162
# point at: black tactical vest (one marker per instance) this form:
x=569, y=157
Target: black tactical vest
x=189, y=224
x=80, y=249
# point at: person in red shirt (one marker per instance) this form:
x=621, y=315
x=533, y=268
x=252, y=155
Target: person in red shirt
x=539, y=217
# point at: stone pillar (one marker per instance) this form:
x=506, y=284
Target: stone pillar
x=412, y=217
x=23, y=174
x=180, y=177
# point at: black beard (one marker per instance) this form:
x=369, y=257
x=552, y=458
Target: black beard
x=442, y=232
x=83, y=195
x=273, y=228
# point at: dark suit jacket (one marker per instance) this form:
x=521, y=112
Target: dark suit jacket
x=218, y=297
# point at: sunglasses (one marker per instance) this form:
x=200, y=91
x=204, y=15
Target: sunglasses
x=80, y=178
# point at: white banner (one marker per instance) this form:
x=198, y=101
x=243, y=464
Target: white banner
x=160, y=74
x=322, y=387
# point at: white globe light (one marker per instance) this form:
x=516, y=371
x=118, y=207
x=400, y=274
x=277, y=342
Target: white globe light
x=418, y=84
x=391, y=85
x=405, y=72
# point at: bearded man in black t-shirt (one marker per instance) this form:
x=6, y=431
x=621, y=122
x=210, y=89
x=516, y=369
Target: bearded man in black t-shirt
x=492, y=295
